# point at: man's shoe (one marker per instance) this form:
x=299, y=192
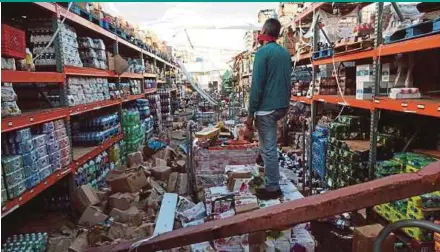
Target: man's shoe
x=264, y=194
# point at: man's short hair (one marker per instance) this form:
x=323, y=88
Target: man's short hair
x=272, y=27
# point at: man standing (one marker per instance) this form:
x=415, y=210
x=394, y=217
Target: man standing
x=269, y=101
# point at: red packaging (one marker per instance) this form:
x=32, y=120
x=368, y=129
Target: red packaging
x=13, y=42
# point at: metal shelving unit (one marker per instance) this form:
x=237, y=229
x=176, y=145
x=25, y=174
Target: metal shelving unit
x=27, y=119
x=423, y=107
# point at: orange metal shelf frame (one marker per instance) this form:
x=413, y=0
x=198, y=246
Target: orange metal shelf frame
x=302, y=99
x=134, y=97
x=32, y=77
x=427, y=107
x=132, y=75
x=150, y=90
x=84, y=71
x=346, y=57
x=412, y=45
x=32, y=118
x=92, y=152
x=82, y=108
x=32, y=193
x=149, y=75
x=350, y=101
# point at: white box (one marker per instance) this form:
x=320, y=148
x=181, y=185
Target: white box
x=364, y=90
x=387, y=73
x=364, y=73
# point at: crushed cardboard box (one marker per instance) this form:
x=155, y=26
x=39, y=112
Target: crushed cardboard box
x=80, y=244
x=131, y=216
x=161, y=172
x=86, y=196
x=131, y=180
x=121, y=201
x=135, y=159
x=172, y=182
x=92, y=216
x=182, y=185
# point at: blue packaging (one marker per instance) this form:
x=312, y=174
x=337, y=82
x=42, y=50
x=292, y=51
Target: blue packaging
x=43, y=162
x=30, y=157
x=59, y=124
x=17, y=189
x=51, y=137
x=32, y=180
x=11, y=164
x=39, y=140
x=30, y=170
x=41, y=151
x=56, y=156
x=22, y=135
x=47, y=127
x=45, y=172
x=24, y=147
x=14, y=177
x=52, y=147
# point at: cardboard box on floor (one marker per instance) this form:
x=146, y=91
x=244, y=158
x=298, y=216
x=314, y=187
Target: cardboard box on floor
x=92, y=216
x=364, y=237
x=121, y=201
x=86, y=196
x=80, y=244
x=129, y=180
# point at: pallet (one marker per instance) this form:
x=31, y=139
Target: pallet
x=414, y=31
x=322, y=54
x=351, y=46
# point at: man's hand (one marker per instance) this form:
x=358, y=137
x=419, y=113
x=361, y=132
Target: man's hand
x=249, y=123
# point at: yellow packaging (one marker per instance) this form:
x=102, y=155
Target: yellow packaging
x=414, y=212
x=410, y=169
x=418, y=233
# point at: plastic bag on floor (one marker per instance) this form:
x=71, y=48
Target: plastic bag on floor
x=195, y=213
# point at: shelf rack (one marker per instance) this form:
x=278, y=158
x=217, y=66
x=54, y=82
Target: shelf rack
x=429, y=106
x=27, y=119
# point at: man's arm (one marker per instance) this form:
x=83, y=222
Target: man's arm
x=258, y=82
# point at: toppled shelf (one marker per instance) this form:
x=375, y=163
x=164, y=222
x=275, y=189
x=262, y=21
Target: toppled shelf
x=27, y=119
x=32, y=77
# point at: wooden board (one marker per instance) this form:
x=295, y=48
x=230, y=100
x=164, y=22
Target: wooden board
x=303, y=210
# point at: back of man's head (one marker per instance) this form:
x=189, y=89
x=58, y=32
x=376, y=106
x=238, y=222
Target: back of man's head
x=272, y=27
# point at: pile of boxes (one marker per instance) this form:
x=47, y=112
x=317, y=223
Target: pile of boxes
x=365, y=81
x=31, y=158
x=422, y=207
x=92, y=52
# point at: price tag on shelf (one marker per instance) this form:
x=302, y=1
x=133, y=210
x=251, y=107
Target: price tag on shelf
x=404, y=104
x=10, y=123
x=421, y=106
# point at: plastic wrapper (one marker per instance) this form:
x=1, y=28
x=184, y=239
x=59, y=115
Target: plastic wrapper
x=24, y=147
x=52, y=147
x=8, y=63
x=10, y=109
x=204, y=181
x=193, y=223
x=31, y=157
x=64, y=142
x=85, y=42
x=195, y=213
x=59, y=124
x=41, y=151
x=43, y=162
x=8, y=93
x=98, y=44
x=47, y=127
x=30, y=170
x=202, y=247
x=14, y=177
x=11, y=163
x=32, y=180
x=45, y=172
x=17, y=189
x=39, y=140
x=232, y=244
